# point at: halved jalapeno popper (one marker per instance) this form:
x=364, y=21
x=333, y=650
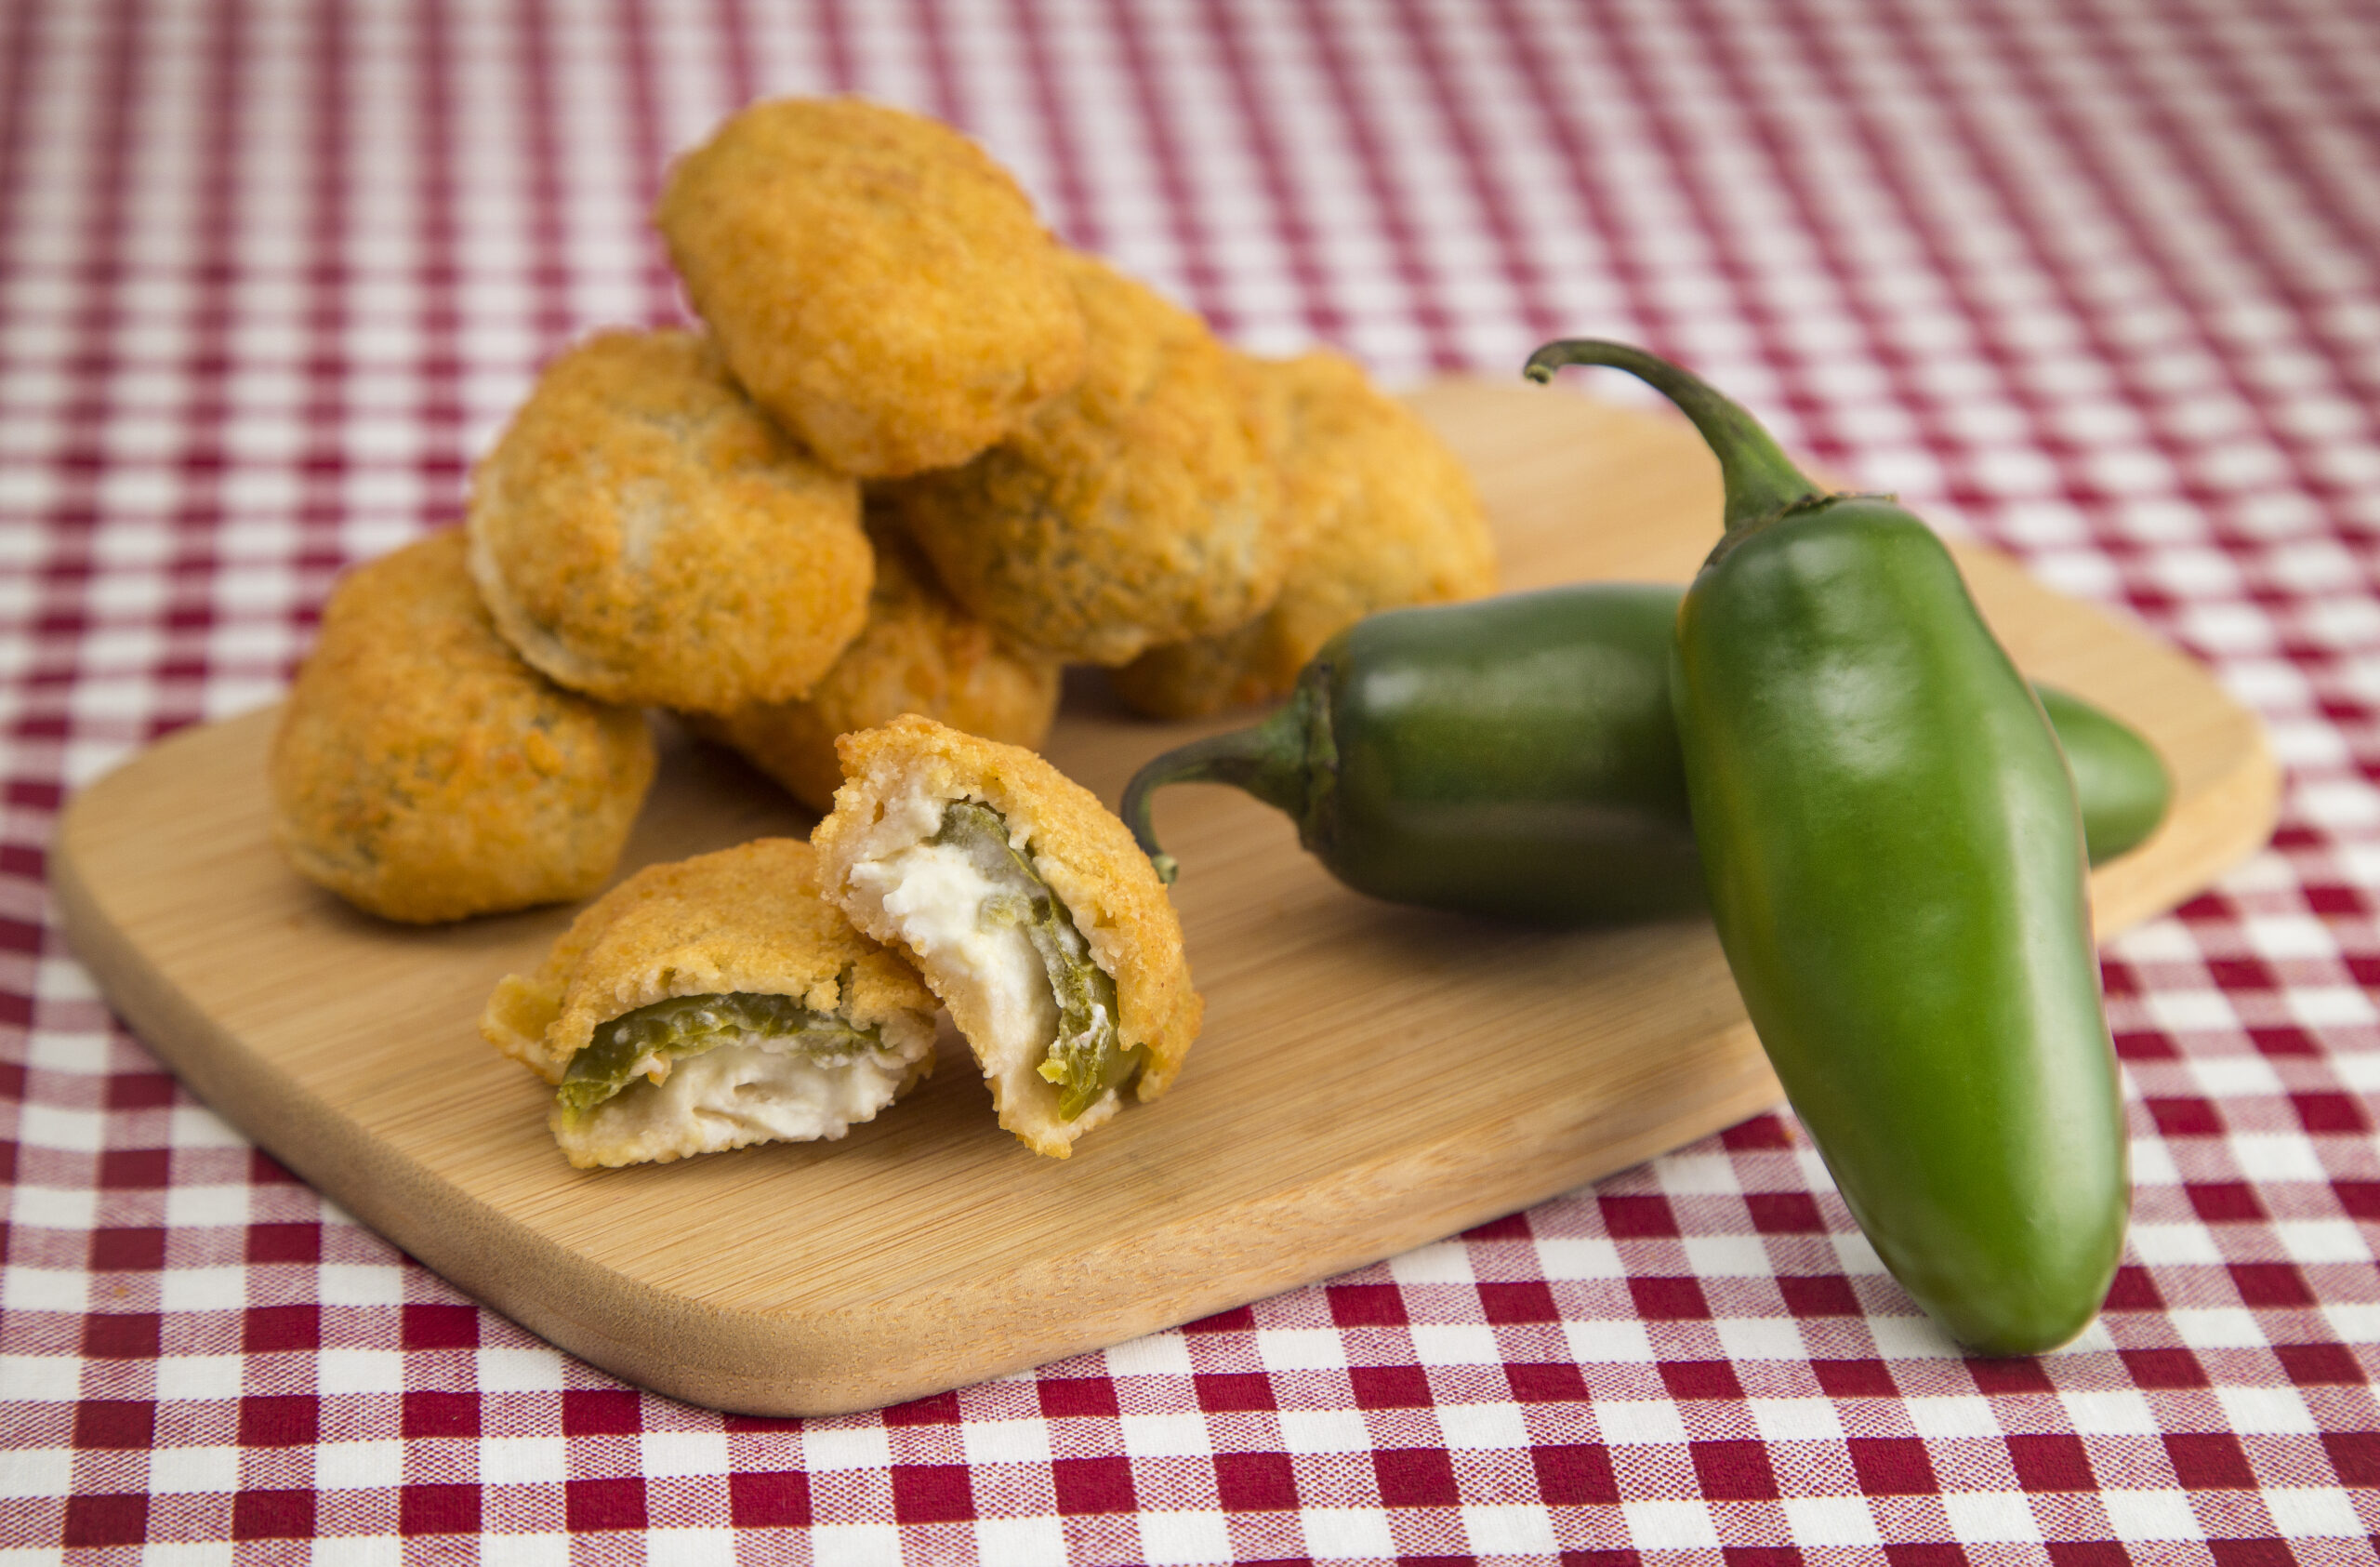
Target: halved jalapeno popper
x=712, y=1003
x=1030, y=912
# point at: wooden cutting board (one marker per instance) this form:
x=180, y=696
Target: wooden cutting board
x=1370, y=1076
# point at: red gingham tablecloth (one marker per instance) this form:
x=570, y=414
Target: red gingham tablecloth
x=2094, y=280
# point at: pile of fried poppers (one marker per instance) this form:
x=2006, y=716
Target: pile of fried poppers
x=922, y=457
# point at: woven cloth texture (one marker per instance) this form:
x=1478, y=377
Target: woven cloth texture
x=2091, y=280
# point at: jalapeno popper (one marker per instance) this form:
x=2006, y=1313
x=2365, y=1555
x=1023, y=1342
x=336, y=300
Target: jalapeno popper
x=881, y=286
x=642, y=533
x=1029, y=911
x=424, y=772
x=1390, y=520
x=1139, y=508
x=919, y=653
x=712, y=1003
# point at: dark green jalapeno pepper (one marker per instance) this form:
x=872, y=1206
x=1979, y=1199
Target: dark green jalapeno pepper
x=1517, y=757
x=1512, y=756
x=1896, y=868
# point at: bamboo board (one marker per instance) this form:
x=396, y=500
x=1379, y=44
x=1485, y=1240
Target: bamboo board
x=1370, y=1078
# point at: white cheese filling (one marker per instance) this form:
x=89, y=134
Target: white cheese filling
x=929, y=896
x=759, y=1088
x=935, y=896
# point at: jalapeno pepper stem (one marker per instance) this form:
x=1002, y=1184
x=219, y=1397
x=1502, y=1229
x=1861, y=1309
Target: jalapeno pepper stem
x=1761, y=480
x=1269, y=759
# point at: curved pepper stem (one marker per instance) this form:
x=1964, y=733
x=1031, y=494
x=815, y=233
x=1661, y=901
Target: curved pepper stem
x=1761, y=481
x=1268, y=760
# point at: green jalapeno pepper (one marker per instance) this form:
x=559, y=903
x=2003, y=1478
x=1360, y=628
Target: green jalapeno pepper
x=1896, y=867
x=2122, y=787
x=1517, y=757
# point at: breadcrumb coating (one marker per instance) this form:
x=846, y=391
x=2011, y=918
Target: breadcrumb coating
x=1077, y=847
x=642, y=533
x=745, y=919
x=919, y=653
x=878, y=283
x=1390, y=520
x=424, y=772
x=1139, y=508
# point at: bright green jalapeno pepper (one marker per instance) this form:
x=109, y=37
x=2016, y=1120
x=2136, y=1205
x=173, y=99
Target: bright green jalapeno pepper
x=1517, y=757
x=1896, y=867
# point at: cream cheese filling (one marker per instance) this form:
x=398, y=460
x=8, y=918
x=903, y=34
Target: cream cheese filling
x=935, y=896
x=932, y=898
x=756, y=1088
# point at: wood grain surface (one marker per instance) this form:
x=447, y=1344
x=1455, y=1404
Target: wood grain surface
x=1370, y=1076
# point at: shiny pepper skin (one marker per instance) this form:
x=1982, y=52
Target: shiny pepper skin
x=1896, y=867
x=1517, y=758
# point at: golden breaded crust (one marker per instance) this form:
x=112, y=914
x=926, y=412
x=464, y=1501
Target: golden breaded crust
x=1393, y=520
x=642, y=533
x=424, y=772
x=745, y=919
x=878, y=283
x=1139, y=508
x=919, y=653
x=1086, y=857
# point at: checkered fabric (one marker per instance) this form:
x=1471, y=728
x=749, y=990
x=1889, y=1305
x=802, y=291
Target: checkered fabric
x=2094, y=280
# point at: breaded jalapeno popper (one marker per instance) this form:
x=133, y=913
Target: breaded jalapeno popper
x=424, y=772
x=881, y=286
x=1390, y=520
x=919, y=653
x=642, y=533
x=712, y=1003
x=1030, y=912
x=1139, y=508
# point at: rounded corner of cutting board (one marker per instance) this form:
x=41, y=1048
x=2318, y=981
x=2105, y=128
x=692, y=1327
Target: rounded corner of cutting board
x=131, y=788
x=165, y=874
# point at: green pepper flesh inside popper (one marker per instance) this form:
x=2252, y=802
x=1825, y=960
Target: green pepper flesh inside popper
x=1085, y=1058
x=1896, y=866
x=682, y=1026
